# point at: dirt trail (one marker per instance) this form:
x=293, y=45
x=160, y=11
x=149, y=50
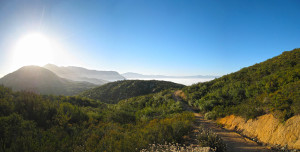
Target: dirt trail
x=234, y=141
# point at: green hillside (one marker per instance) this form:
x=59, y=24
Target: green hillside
x=272, y=86
x=40, y=80
x=115, y=91
x=31, y=122
x=141, y=118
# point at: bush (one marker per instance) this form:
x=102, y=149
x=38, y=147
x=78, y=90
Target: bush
x=210, y=115
x=248, y=111
x=174, y=147
x=207, y=138
x=207, y=105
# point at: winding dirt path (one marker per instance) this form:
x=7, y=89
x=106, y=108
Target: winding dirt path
x=234, y=141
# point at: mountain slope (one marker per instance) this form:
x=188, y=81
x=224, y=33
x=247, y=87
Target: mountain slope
x=41, y=80
x=82, y=74
x=34, y=123
x=268, y=87
x=115, y=91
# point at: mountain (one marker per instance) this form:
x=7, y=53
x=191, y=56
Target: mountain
x=115, y=91
x=272, y=86
x=129, y=75
x=41, y=80
x=82, y=74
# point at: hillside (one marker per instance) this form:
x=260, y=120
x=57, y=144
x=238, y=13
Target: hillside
x=115, y=91
x=272, y=86
x=41, y=80
x=82, y=74
x=30, y=122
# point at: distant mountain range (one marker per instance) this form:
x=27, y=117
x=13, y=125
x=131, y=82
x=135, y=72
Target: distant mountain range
x=82, y=74
x=130, y=75
x=71, y=80
x=40, y=80
x=52, y=79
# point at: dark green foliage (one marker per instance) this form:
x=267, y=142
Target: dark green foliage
x=115, y=91
x=270, y=86
x=31, y=122
x=17, y=134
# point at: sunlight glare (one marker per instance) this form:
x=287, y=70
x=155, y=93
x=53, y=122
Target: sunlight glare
x=33, y=49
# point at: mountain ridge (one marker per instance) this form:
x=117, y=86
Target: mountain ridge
x=82, y=74
x=41, y=80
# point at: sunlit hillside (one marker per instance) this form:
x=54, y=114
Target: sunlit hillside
x=271, y=86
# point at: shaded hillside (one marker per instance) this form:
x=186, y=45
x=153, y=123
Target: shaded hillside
x=272, y=86
x=30, y=122
x=82, y=74
x=41, y=80
x=115, y=91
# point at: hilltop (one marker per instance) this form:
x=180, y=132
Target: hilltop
x=115, y=91
x=83, y=74
x=43, y=81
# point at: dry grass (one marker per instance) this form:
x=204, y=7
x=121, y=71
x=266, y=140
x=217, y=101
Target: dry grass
x=267, y=129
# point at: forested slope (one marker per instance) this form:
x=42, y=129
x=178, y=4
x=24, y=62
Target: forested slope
x=31, y=122
x=115, y=91
x=272, y=86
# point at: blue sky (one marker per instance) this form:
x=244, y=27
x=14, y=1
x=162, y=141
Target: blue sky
x=169, y=37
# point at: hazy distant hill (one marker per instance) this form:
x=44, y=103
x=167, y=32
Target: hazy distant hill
x=272, y=86
x=82, y=74
x=137, y=75
x=116, y=91
x=41, y=80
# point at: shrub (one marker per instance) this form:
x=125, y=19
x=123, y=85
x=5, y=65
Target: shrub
x=175, y=147
x=207, y=138
x=210, y=115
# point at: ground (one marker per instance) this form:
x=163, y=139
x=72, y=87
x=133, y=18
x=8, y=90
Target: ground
x=234, y=141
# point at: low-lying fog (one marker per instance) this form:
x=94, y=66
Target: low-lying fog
x=185, y=81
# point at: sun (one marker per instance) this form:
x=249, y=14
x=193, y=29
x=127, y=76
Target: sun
x=33, y=49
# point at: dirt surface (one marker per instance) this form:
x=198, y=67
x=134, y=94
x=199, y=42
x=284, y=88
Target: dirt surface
x=267, y=129
x=234, y=141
